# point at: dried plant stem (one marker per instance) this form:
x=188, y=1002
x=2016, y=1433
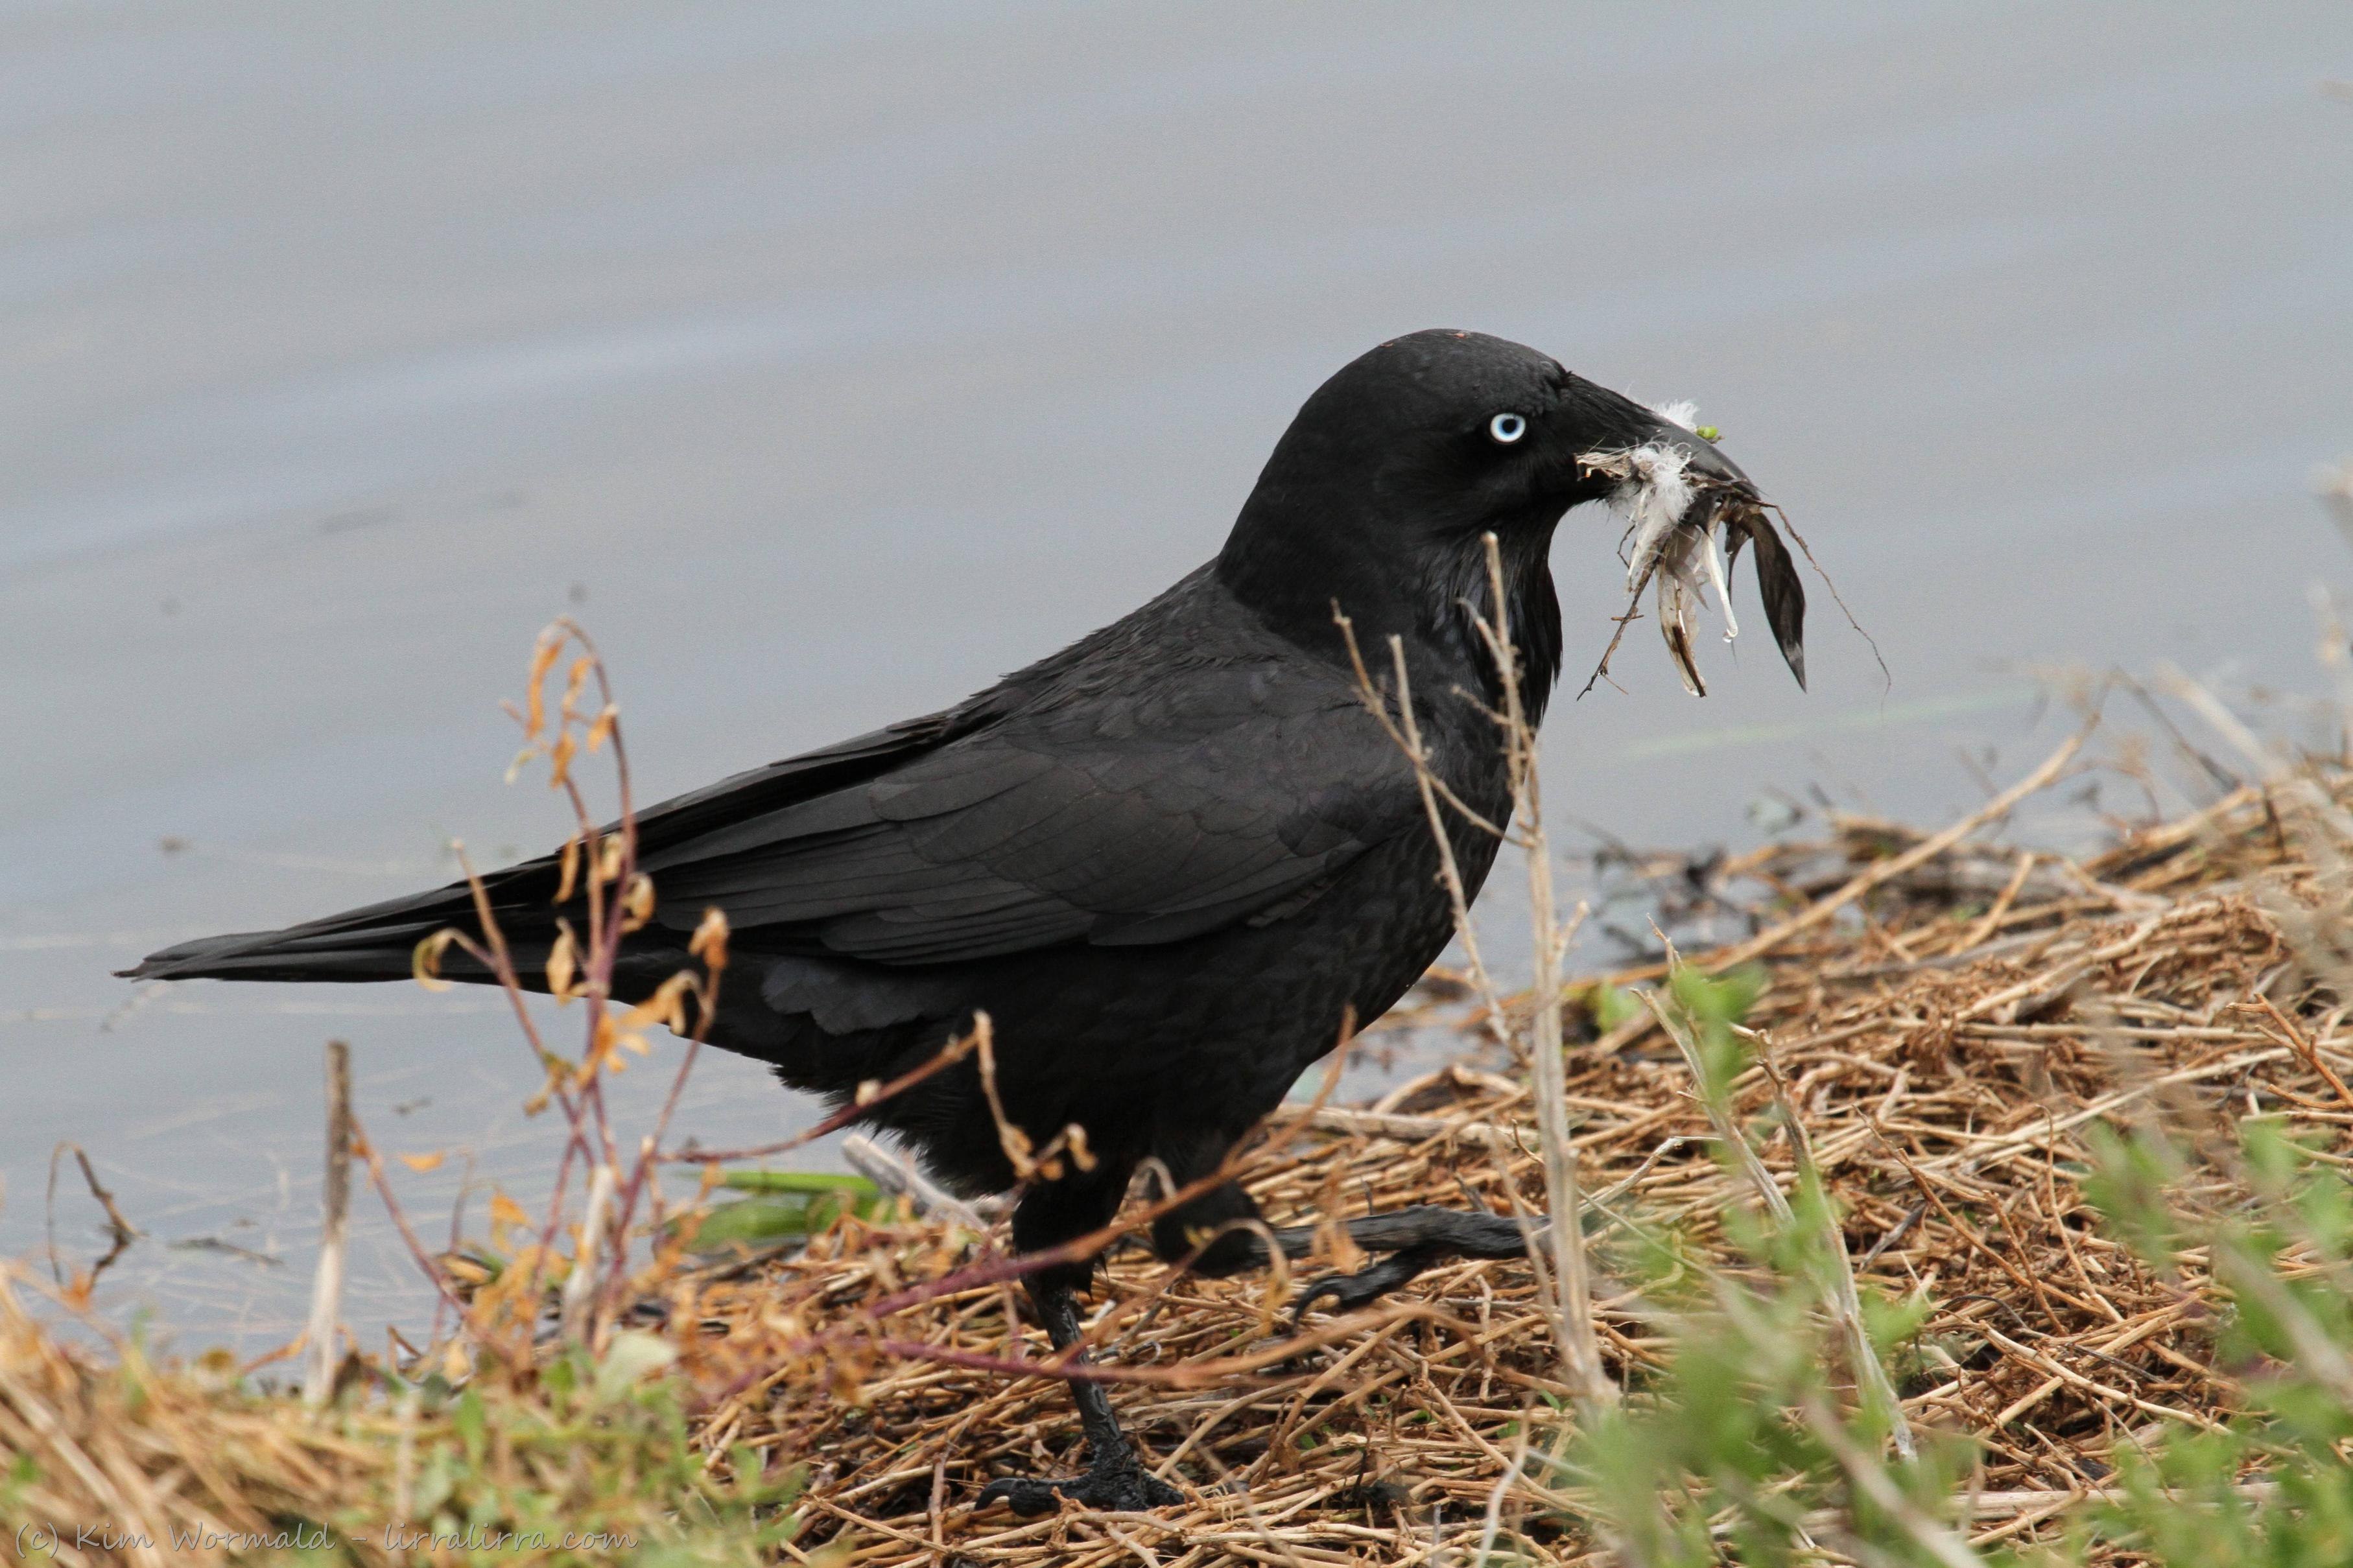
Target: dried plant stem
x=1870, y=1480
x=580, y=1285
x=1492, y=1524
x=120, y=1230
x=1840, y=1297
x=898, y=1175
x=869, y=1095
x=1884, y=871
x=323, y=1338
x=1845, y=1301
x=1567, y=1277
x=1405, y=731
x=363, y=1148
x=1580, y=1349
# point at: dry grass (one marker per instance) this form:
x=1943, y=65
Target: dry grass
x=1946, y=1048
x=1949, y=1024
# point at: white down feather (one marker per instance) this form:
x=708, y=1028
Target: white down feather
x=1654, y=494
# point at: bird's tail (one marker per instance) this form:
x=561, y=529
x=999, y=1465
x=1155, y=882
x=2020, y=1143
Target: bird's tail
x=377, y=943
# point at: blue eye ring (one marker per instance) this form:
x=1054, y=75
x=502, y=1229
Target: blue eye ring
x=1507, y=427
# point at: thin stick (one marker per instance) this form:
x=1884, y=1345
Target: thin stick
x=897, y=1174
x=1864, y=1474
x=1580, y=1349
x=870, y=1095
x=580, y=1285
x=2303, y=1047
x=1491, y=1525
x=1991, y=920
x=1404, y=732
x=1887, y=870
x=1840, y=1297
x=363, y=1149
x=1846, y=1302
x=123, y=1231
x=323, y=1338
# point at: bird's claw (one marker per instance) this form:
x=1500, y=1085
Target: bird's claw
x=1114, y=1489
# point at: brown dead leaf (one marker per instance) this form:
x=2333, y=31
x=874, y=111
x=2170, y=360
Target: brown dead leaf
x=568, y=876
x=543, y=659
x=562, y=964
x=710, y=940
x=637, y=903
x=506, y=1212
x=559, y=759
x=425, y=963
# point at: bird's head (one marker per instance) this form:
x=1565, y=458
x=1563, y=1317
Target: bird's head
x=1381, y=494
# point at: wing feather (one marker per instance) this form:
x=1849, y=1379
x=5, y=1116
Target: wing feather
x=1120, y=819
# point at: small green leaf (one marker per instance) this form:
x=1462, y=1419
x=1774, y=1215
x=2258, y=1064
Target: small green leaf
x=2128, y=1188
x=632, y=1355
x=766, y=1220
x=469, y=1420
x=1612, y=1005
x=784, y=1206
x=809, y=1182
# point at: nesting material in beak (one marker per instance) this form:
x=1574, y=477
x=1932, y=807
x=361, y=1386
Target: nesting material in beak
x=1673, y=515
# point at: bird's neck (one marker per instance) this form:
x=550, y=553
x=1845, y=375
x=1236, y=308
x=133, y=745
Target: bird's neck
x=1295, y=577
x=1531, y=617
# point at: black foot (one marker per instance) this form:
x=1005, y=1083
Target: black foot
x=1417, y=1239
x=1346, y=1292
x=1119, y=1488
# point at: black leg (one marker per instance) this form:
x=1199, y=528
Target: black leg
x=1197, y=1233
x=1415, y=1239
x=1115, y=1480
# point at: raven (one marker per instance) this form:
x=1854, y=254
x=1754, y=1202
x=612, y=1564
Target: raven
x=1170, y=862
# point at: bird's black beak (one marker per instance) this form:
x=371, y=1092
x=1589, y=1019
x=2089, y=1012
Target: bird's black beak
x=1636, y=426
x=1706, y=456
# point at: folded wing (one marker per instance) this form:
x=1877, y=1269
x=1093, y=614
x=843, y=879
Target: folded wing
x=1148, y=814
x=1102, y=821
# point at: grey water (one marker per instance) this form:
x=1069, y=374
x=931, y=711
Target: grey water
x=829, y=360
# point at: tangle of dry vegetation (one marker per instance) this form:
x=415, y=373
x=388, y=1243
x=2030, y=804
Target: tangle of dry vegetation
x=1953, y=1036
x=1948, y=1047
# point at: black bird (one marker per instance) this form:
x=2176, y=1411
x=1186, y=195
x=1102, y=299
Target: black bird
x=1169, y=862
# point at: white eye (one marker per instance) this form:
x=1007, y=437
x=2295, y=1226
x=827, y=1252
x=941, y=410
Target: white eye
x=1507, y=427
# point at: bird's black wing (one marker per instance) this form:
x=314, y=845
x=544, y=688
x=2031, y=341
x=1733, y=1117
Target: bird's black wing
x=1126, y=817
x=1175, y=772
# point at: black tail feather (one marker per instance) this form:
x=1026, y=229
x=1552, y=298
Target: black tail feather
x=262, y=955
x=375, y=942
